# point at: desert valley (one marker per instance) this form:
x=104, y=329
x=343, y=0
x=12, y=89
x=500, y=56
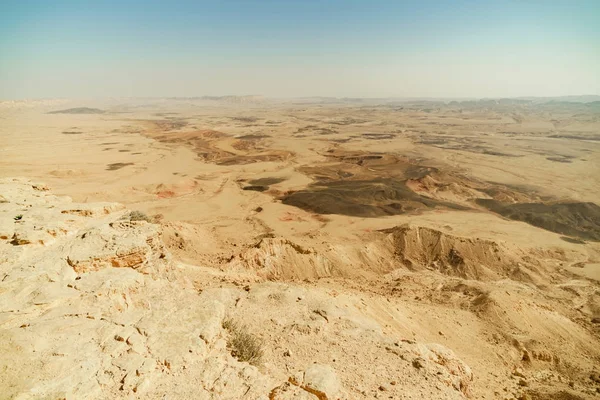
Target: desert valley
x=242, y=247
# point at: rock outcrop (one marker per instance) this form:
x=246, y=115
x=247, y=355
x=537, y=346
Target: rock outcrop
x=419, y=247
x=93, y=305
x=279, y=258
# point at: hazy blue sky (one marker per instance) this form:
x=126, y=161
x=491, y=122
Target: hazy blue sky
x=290, y=48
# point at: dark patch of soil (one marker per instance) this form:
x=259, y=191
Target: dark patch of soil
x=576, y=137
x=433, y=141
x=348, y=121
x=245, y=119
x=256, y=188
x=360, y=165
x=378, y=136
x=579, y=220
x=252, y=136
x=469, y=144
x=325, y=131
x=358, y=159
x=559, y=159
x=227, y=159
x=344, y=140
x=362, y=198
x=266, y=181
x=71, y=133
x=116, y=166
x=497, y=153
x=316, y=130
x=572, y=240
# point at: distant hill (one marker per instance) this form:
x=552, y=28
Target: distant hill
x=236, y=99
x=78, y=110
x=247, y=99
x=570, y=99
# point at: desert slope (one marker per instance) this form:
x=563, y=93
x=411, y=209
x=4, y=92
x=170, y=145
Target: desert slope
x=93, y=305
x=398, y=250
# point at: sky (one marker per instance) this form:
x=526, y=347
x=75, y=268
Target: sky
x=298, y=48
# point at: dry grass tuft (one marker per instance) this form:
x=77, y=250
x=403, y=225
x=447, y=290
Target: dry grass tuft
x=139, y=216
x=243, y=345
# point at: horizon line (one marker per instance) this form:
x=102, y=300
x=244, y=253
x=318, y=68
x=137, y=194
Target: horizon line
x=199, y=97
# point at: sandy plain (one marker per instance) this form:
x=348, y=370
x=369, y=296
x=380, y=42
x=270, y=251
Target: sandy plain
x=474, y=225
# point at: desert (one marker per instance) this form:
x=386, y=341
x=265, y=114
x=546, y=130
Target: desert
x=248, y=247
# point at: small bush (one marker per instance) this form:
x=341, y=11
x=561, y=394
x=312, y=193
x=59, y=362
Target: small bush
x=139, y=216
x=243, y=345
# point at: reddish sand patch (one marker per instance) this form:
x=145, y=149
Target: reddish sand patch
x=165, y=194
